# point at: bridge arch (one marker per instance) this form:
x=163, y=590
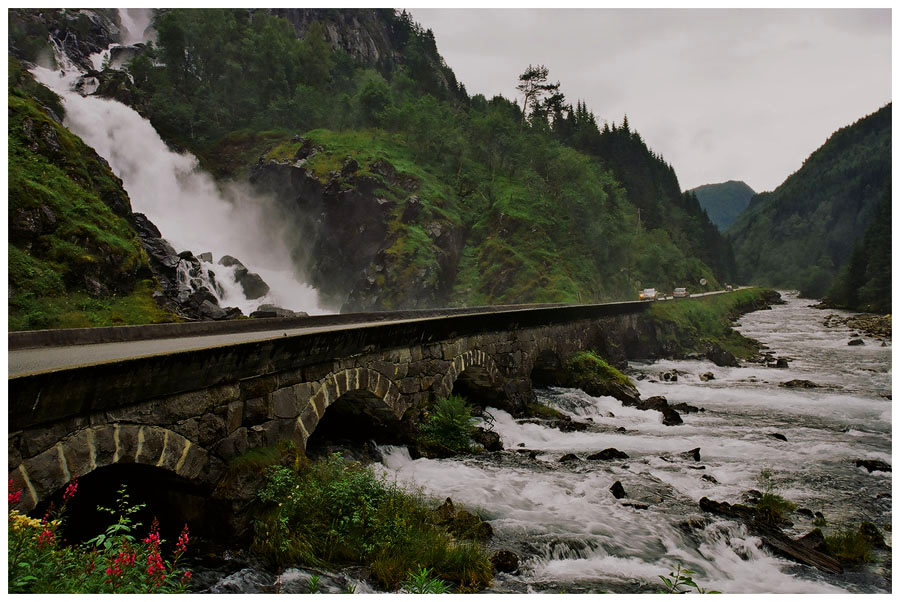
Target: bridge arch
x=472, y=373
x=96, y=447
x=374, y=392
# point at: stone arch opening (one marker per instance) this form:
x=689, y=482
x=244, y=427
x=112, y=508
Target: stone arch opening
x=548, y=370
x=473, y=375
x=164, y=495
x=355, y=424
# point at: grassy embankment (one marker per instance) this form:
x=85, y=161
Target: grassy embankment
x=688, y=325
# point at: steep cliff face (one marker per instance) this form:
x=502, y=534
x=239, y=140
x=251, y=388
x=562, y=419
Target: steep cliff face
x=368, y=236
x=78, y=33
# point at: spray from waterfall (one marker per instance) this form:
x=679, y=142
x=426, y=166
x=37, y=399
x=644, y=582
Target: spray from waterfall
x=190, y=209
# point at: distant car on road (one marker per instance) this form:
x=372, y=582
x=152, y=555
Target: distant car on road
x=681, y=292
x=728, y=287
x=648, y=294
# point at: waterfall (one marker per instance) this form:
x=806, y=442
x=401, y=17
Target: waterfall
x=190, y=209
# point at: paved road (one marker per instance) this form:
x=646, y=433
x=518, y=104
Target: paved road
x=29, y=361
x=48, y=359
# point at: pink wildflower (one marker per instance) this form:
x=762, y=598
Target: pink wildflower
x=183, y=539
x=46, y=537
x=70, y=490
x=14, y=495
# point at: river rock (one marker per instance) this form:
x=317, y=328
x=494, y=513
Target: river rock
x=462, y=523
x=636, y=505
x=799, y=384
x=267, y=310
x=805, y=512
x=873, y=465
x=505, y=561
x=720, y=357
x=871, y=534
x=855, y=342
x=660, y=404
x=710, y=478
x=778, y=436
x=781, y=363
x=489, y=440
x=610, y=453
x=814, y=540
x=693, y=454
x=617, y=490
x=707, y=376
x=570, y=458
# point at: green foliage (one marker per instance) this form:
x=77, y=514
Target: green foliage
x=586, y=366
x=543, y=411
x=849, y=546
x=69, y=227
x=681, y=577
x=312, y=584
x=448, y=426
x=771, y=508
x=688, y=323
x=801, y=234
x=421, y=582
x=115, y=561
x=336, y=512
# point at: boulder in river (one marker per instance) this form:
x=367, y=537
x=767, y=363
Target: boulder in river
x=873, y=465
x=462, y=523
x=854, y=342
x=707, y=376
x=798, y=383
x=693, y=454
x=489, y=440
x=610, y=453
x=659, y=403
x=617, y=490
x=505, y=561
x=778, y=436
x=569, y=458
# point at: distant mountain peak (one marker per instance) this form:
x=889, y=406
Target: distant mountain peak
x=724, y=201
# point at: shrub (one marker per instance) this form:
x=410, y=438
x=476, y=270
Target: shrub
x=771, y=507
x=113, y=562
x=422, y=582
x=448, y=426
x=334, y=512
x=849, y=546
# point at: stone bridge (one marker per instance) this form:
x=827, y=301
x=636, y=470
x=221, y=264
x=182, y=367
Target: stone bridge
x=190, y=412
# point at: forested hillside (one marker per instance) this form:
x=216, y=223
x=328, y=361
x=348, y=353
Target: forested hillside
x=801, y=234
x=723, y=202
x=476, y=200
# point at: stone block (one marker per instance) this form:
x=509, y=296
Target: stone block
x=127, y=443
x=79, y=452
x=258, y=386
x=233, y=445
x=409, y=385
x=384, y=367
x=45, y=473
x=288, y=378
x=211, y=428
x=150, y=445
x=194, y=403
x=256, y=410
x=195, y=461
x=415, y=353
x=40, y=439
x=189, y=428
x=417, y=368
x=400, y=355
x=308, y=418
x=104, y=444
x=318, y=402
x=14, y=447
x=234, y=415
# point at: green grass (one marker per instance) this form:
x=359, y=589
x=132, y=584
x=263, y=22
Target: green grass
x=448, y=426
x=688, y=322
x=588, y=366
x=771, y=508
x=849, y=546
x=51, y=170
x=334, y=513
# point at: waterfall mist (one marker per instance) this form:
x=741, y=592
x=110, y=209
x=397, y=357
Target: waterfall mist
x=190, y=209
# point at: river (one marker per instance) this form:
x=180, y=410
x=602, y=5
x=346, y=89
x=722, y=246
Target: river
x=573, y=535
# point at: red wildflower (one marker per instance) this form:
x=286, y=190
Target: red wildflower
x=183, y=539
x=46, y=537
x=187, y=575
x=14, y=494
x=70, y=490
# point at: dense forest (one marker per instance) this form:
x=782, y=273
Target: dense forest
x=801, y=234
x=724, y=202
x=545, y=201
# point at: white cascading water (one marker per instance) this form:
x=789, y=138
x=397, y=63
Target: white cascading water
x=578, y=537
x=191, y=211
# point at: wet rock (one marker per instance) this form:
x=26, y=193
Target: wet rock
x=781, y=363
x=778, y=436
x=489, y=440
x=710, y=478
x=621, y=429
x=855, y=342
x=720, y=357
x=799, y=384
x=610, y=453
x=751, y=496
x=805, y=512
x=207, y=257
x=671, y=376
x=617, y=490
x=873, y=465
x=505, y=561
x=570, y=458
x=462, y=523
x=693, y=454
x=636, y=505
x=686, y=408
x=707, y=376
x=267, y=310
x=871, y=534
x=659, y=403
x=697, y=467
x=814, y=540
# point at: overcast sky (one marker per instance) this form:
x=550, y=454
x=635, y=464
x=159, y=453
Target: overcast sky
x=722, y=94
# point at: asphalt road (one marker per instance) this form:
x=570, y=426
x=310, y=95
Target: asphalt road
x=48, y=359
